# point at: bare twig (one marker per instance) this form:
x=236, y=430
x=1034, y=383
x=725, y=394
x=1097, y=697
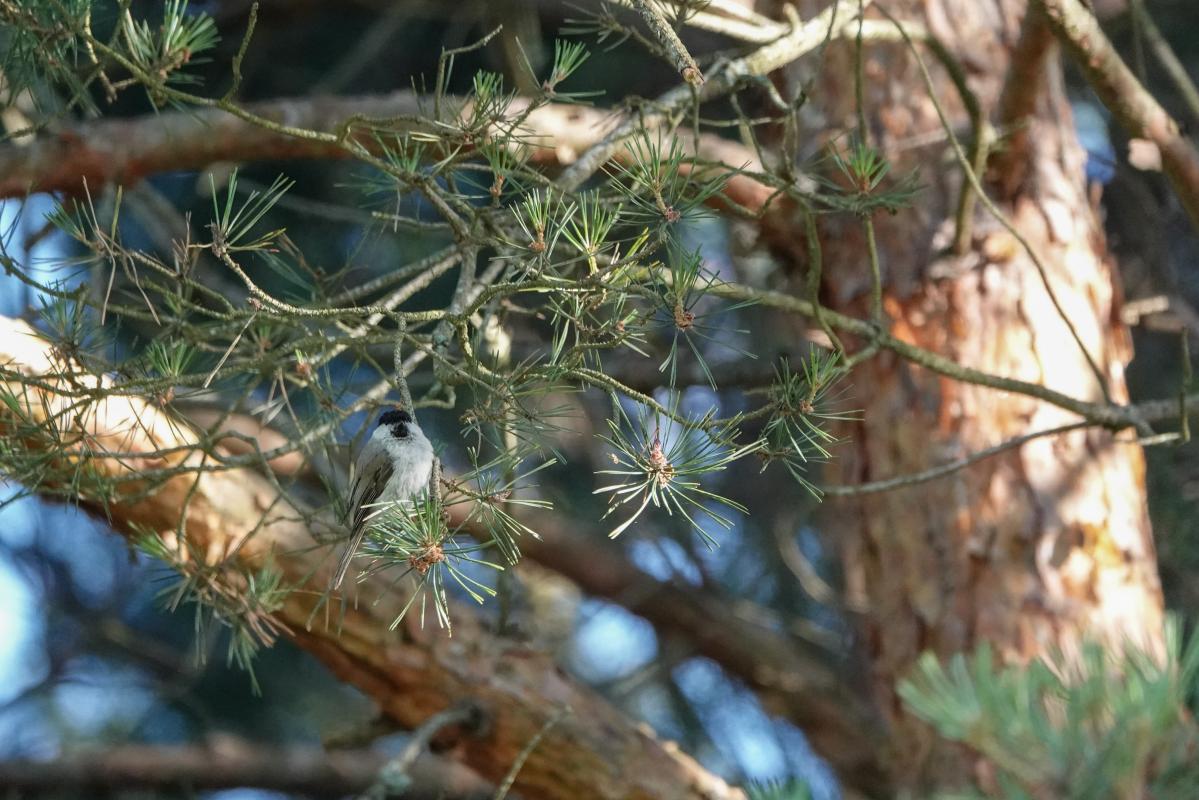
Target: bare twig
x=394, y=777
x=506, y=786
x=802, y=39
x=1166, y=56
x=944, y=470
x=665, y=34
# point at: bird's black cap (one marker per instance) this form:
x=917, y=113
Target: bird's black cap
x=395, y=416
x=398, y=420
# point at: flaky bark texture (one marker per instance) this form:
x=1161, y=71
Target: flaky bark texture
x=589, y=750
x=1033, y=548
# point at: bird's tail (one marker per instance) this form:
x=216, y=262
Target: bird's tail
x=343, y=566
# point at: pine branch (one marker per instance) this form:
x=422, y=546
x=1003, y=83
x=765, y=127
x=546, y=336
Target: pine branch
x=746, y=641
x=801, y=40
x=125, y=151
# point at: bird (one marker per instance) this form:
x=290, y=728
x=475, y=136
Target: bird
x=394, y=465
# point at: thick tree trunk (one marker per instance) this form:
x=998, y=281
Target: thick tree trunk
x=1032, y=548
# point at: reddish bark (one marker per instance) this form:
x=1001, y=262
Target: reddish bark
x=1033, y=548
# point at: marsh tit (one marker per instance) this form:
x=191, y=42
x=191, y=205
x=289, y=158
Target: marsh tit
x=394, y=465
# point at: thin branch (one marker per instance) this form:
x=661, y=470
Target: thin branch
x=229, y=763
x=506, y=786
x=661, y=28
x=1110, y=415
x=944, y=470
x=1168, y=59
x=395, y=777
x=803, y=39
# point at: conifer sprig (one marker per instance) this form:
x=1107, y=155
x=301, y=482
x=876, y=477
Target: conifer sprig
x=660, y=462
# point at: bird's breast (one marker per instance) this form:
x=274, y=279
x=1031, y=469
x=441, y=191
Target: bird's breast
x=410, y=476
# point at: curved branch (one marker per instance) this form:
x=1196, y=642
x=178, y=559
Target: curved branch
x=127, y=150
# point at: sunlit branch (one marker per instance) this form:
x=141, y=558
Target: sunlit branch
x=1134, y=107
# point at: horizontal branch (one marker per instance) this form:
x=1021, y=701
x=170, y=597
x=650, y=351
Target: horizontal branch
x=947, y=469
x=238, y=518
x=1108, y=415
x=125, y=151
x=227, y=764
x=1130, y=102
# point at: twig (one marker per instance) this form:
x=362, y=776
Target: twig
x=661, y=28
x=393, y=777
x=815, y=271
x=1168, y=59
x=1183, y=387
x=917, y=478
x=803, y=38
x=240, y=56
x=1108, y=415
x=510, y=778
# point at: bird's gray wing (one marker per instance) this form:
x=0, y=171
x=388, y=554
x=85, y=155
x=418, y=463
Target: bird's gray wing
x=375, y=470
